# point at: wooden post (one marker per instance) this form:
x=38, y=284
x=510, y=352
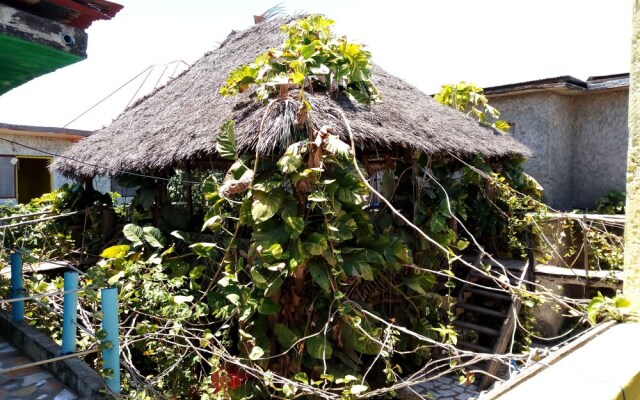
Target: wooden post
x=531, y=257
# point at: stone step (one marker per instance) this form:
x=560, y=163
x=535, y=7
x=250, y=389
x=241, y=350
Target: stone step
x=476, y=327
x=482, y=310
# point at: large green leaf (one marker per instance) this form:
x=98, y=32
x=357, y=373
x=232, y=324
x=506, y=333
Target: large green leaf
x=319, y=347
x=266, y=205
x=338, y=147
x=357, y=340
x=270, y=232
x=134, y=234
x=273, y=286
x=286, y=337
x=154, y=237
x=438, y=222
x=226, y=141
x=315, y=244
x=388, y=184
x=342, y=228
x=319, y=274
x=204, y=249
x=308, y=50
x=294, y=225
x=267, y=306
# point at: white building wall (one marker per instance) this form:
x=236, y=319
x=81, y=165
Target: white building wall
x=599, y=145
x=579, y=142
x=540, y=125
x=47, y=144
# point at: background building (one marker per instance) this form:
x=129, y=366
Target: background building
x=577, y=130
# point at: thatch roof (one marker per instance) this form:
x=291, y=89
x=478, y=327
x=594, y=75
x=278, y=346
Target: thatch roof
x=178, y=122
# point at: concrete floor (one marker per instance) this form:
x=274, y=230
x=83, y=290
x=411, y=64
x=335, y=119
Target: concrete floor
x=32, y=383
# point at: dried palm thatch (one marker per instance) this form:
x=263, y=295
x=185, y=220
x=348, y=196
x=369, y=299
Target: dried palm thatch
x=178, y=123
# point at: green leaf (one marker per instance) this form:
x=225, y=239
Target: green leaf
x=357, y=340
x=388, y=184
x=134, y=234
x=256, y=353
x=286, y=337
x=308, y=50
x=288, y=390
x=226, y=141
x=319, y=347
x=273, y=286
x=214, y=223
x=266, y=205
x=315, y=244
x=233, y=299
x=502, y=126
x=320, y=275
x=621, y=302
x=182, y=299
x=338, y=147
x=203, y=249
x=154, y=237
x=438, y=222
x=358, y=96
x=115, y=278
x=317, y=197
x=115, y=251
x=342, y=228
x=462, y=244
x=302, y=377
x=294, y=226
x=357, y=389
x=267, y=306
x=414, y=283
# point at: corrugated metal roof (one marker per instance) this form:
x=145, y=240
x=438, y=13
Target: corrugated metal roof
x=566, y=81
x=77, y=13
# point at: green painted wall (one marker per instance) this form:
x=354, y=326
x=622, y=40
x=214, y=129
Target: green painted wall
x=632, y=230
x=21, y=61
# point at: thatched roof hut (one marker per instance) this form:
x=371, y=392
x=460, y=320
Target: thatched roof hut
x=178, y=123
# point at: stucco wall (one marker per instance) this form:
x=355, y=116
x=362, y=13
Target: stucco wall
x=541, y=123
x=600, y=144
x=578, y=142
x=632, y=227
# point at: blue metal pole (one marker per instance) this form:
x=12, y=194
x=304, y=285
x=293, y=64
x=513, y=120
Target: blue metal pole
x=70, y=313
x=17, y=288
x=111, y=356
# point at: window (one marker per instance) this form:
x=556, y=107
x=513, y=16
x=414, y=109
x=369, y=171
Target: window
x=7, y=178
x=24, y=178
x=33, y=177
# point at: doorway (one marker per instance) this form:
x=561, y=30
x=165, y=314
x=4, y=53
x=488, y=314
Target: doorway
x=34, y=178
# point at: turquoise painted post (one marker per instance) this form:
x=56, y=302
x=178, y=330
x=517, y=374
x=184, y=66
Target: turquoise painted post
x=70, y=313
x=111, y=356
x=17, y=288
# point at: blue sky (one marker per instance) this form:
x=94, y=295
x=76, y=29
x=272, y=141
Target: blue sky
x=427, y=43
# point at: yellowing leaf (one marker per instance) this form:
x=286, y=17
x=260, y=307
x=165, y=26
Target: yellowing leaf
x=115, y=251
